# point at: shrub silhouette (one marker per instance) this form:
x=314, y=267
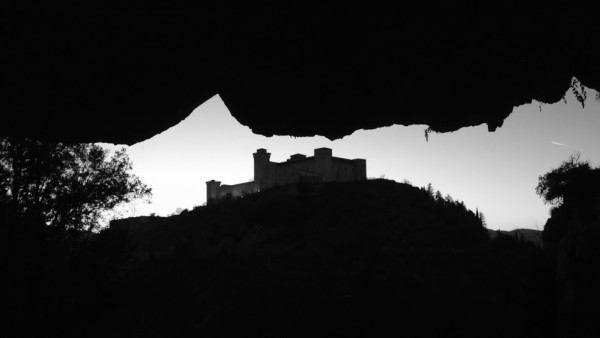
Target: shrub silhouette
x=67, y=185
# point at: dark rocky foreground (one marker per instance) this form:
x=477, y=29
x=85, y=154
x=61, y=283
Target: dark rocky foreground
x=363, y=259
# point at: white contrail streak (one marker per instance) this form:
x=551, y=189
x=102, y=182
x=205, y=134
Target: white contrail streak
x=563, y=145
x=560, y=144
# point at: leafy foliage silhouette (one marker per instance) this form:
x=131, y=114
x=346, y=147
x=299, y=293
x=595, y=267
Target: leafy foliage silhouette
x=68, y=186
x=566, y=180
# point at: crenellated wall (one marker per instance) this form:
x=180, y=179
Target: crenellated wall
x=216, y=191
x=237, y=190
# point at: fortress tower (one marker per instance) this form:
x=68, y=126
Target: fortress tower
x=323, y=162
x=212, y=190
x=262, y=168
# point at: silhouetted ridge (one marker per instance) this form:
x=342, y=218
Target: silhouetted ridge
x=359, y=259
x=377, y=212
x=338, y=259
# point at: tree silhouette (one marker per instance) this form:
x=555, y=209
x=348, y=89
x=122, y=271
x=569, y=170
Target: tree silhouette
x=430, y=190
x=438, y=197
x=481, y=218
x=68, y=186
x=568, y=180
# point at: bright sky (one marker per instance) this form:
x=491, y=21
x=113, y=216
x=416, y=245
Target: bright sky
x=495, y=172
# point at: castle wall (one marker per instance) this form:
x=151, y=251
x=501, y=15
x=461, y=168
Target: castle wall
x=237, y=190
x=344, y=170
x=296, y=171
x=322, y=167
x=361, y=168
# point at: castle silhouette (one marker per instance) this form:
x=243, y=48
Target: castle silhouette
x=322, y=167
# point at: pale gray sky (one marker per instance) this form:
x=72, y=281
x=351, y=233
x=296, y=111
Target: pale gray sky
x=495, y=172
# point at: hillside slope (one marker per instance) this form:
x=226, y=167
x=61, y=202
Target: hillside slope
x=377, y=213
x=362, y=259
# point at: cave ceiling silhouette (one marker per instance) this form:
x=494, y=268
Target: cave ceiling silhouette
x=98, y=73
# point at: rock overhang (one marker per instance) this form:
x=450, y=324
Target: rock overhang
x=122, y=75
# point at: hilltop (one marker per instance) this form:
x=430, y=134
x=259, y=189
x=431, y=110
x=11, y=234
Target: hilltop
x=362, y=259
x=374, y=212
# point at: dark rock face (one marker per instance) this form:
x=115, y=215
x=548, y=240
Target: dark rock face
x=572, y=237
x=122, y=74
